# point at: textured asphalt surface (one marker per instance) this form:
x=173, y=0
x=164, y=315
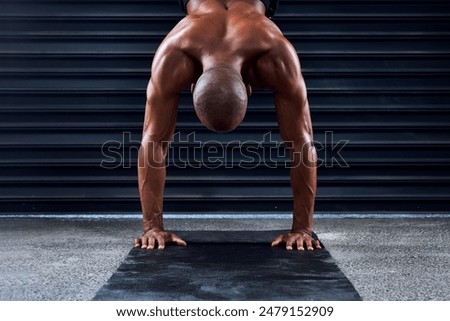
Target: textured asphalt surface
x=62, y=259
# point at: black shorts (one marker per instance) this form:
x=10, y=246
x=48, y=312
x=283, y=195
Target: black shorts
x=271, y=6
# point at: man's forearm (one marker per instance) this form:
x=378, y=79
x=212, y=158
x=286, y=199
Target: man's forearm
x=304, y=184
x=152, y=177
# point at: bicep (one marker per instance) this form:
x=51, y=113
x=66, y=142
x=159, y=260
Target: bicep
x=279, y=68
x=172, y=70
x=160, y=114
x=282, y=69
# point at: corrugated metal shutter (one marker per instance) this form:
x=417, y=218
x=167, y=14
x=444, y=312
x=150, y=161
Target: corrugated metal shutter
x=73, y=76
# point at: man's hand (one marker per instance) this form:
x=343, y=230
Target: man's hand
x=157, y=237
x=298, y=239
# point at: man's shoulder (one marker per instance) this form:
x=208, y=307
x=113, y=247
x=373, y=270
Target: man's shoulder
x=189, y=33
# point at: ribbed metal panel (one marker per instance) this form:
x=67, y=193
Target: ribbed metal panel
x=74, y=73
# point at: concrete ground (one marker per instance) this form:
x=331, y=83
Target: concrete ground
x=62, y=259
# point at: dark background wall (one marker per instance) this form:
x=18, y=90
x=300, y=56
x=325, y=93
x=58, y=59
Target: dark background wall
x=74, y=73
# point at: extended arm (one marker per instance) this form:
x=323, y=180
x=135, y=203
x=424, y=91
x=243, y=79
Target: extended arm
x=280, y=71
x=296, y=130
x=171, y=71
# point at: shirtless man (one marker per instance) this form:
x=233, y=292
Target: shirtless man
x=222, y=49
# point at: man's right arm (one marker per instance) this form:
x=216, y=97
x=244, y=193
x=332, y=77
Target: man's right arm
x=172, y=71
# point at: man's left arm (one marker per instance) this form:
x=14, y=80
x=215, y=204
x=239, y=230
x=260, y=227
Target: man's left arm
x=296, y=130
x=280, y=70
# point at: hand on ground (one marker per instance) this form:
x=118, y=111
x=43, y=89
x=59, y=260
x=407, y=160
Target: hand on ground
x=300, y=240
x=157, y=239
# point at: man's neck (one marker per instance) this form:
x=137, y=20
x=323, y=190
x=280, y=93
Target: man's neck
x=231, y=62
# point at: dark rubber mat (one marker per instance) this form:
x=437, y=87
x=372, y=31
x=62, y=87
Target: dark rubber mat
x=228, y=266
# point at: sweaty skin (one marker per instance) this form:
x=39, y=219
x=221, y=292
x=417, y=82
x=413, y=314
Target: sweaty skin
x=236, y=34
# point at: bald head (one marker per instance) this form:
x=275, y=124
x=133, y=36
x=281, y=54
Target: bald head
x=220, y=99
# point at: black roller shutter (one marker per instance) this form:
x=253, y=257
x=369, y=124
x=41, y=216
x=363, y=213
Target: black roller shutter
x=73, y=77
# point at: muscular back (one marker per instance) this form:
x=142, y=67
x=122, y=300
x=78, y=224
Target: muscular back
x=233, y=32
